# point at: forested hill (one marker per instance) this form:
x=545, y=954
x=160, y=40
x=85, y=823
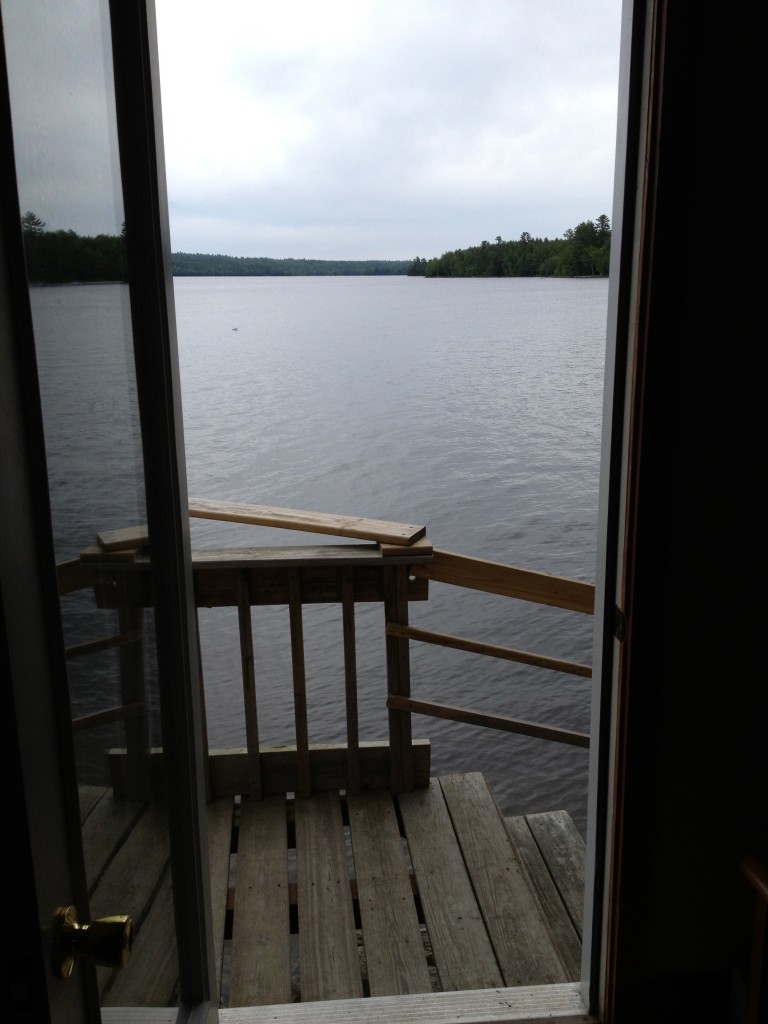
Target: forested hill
x=583, y=251
x=186, y=264
x=59, y=257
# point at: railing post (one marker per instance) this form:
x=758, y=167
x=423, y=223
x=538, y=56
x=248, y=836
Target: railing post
x=303, y=783
x=398, y=679
x=249, y=686
x=350, y=679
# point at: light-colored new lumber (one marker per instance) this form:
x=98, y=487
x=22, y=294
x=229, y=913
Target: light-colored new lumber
x=358, y=527
x=508, y=581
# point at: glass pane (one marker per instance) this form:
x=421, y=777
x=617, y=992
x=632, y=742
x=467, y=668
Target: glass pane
x=59, y=58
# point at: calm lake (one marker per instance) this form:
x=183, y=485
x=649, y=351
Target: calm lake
x=472, y=406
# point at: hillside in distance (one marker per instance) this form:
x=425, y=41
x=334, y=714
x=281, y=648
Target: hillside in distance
x=185, y=264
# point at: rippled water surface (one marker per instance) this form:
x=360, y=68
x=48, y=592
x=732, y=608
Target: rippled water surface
x=471, y=406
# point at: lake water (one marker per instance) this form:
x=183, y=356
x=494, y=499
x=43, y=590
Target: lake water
x=469, y=405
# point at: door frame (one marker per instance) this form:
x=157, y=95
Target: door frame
x=30, y=640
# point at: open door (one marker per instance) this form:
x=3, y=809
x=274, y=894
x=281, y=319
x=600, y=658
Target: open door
x=92, y=441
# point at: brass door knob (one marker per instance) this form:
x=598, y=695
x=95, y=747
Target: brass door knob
x=106, y=941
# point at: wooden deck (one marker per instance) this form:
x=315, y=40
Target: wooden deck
x=341, y=897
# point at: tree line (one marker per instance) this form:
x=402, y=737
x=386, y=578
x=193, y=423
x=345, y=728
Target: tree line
x=63, y=257
x=60, y=257
x=185, y=264
x=583, y=251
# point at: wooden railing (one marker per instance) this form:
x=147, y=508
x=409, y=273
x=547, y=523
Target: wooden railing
x=394, y=569
x=507, y=581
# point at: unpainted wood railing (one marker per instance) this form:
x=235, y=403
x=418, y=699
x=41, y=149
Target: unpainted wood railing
x=393, y=570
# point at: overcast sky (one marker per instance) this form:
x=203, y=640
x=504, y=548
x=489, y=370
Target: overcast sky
x=385, y=129
x=331, y=129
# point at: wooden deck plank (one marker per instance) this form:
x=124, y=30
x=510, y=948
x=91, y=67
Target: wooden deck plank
x=560, y=925
x=308, y=522
x=463, y=952
x=260, y=971
x=513, y=917
x=394, y=948
x=151, y=977
x=329, y=959
x=131, y=881
x=563, y=850
x=133, y=875
x=328, y=765
x=107, y=823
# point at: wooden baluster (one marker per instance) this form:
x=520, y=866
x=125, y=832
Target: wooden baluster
x=350, y=679
x=399, y=679
x=303, y=783
x=249, y=686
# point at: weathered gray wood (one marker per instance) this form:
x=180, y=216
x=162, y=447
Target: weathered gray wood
x=131, y=881
x=329, y=960
x=350, y=678
x=151, y=976
x=306, y=522
x=107, y=823
x=458, y=643
x=563, y=850
x=260, y=971
x=328, y=767
x=249, y=686
x=399, y=679
x=394, y=947
x=502, y=722
x=219, y=814
x=303, y=780
x=292, y=555
x=561, y=928
x=463, y=952
x=513, y=916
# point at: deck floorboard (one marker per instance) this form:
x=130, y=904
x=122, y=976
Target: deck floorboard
x=395, y=955
x=454, y=923
x=330, y=963
x=349, y=896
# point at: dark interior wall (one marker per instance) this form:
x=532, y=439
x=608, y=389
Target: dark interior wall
x=695, y=800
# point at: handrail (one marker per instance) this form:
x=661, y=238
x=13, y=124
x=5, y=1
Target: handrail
x=393, y=571
x=508, y=581
x=458, y=643
x=501, y=722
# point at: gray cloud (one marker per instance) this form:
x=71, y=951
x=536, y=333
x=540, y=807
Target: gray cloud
x=347, y=129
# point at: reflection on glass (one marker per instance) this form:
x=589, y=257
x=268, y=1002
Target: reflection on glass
x=59, y=58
